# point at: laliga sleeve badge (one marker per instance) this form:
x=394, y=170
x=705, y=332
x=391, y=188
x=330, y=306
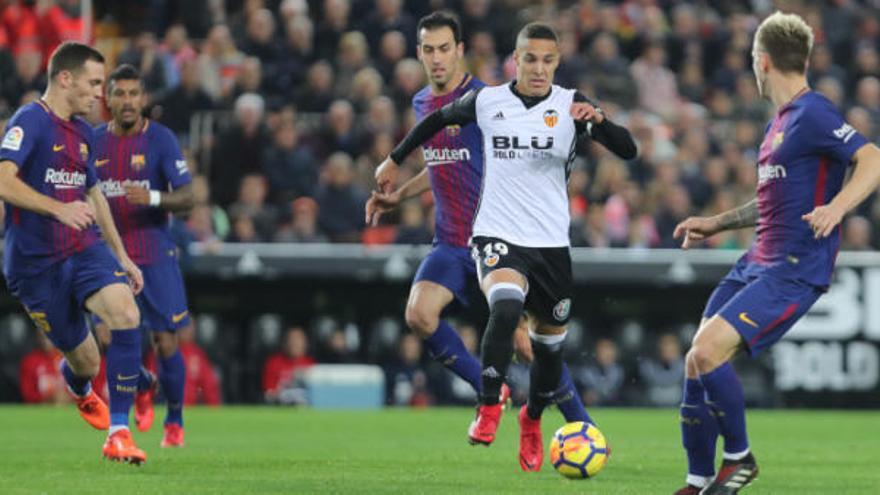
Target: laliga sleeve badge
x=13, y=138
x=562, y=309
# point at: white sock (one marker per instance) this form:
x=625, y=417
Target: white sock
x=697, y=480
x=736, y=455
x=115, y=428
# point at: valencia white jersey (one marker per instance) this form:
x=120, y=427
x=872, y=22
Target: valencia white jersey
x=524, y=197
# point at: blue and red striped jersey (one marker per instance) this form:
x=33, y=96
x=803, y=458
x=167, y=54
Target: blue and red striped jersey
x=54, y=157
x=802, y=163
x=454, y=158
x=150, y=159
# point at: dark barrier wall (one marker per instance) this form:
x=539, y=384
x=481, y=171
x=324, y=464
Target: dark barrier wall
x=830, y=359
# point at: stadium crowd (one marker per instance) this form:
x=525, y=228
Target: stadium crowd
x=284, y=108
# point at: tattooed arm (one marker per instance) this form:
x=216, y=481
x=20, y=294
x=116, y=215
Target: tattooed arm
x=699, y=228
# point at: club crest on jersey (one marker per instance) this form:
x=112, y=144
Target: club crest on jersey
x=777, y=140
x=84, y=151
x=562, y=308
x=138, y=161
x=551, y=118
x=491, y=259
x=453, y=130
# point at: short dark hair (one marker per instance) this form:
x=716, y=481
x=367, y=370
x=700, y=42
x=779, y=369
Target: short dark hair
x=537, y=31
x=125, y=72
x=439, y=19
x=72, y=56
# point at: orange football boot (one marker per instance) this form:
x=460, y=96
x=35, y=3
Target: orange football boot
x=120, y=447
x=173, y=436
x=93, y=410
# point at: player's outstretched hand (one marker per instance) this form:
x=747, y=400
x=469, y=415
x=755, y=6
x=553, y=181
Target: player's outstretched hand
x=76, y=214
x=823, y=219
x=135, y=277
x=695, y=229
x=386, y=175
x=586, y=113
x=137, y=195
x=380, y=203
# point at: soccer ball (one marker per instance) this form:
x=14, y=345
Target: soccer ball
x=578, y=450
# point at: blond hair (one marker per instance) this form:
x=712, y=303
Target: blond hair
x=787, y=39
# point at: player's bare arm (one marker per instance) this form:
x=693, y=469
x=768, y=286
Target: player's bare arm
x=75, y=214
x=699, y=228
x=865, y=180
x=180, y=200
x=108, y=230
x=381, y=202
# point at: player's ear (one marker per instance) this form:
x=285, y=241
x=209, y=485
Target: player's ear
x=459, y=49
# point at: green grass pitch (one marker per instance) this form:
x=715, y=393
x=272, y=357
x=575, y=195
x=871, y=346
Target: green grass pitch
x=275, y=450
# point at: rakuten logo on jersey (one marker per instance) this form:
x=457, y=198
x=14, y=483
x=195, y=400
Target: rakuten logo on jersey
x=115, y=188
x=771, y=172
x=444, y=156
x=65, y=179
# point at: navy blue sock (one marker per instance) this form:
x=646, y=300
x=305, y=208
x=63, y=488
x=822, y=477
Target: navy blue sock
x=172, y=376
x=145, y=380
x=446, y=347
x=568, y=400
x=724, y=390
x=123, y=373
x=699, y=430
x=80, y=385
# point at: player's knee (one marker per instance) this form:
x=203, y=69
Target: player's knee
x=125, y=316
x=422, y=321
x=690, y=365
x=703, y=358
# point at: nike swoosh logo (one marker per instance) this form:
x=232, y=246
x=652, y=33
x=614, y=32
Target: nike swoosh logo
x=57, y=147
x=124, y=378
x=177, y=318
x=745, y=318
x=119, y=274
x=101, y=163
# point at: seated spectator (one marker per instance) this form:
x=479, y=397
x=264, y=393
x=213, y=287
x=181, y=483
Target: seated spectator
x=340, y=201
x=317, y=95
x=202, y=384
x=219, y=62
x=290, y=167
x=336, y=347
x=405, y=378
x=412, y=228
x=252, y=204
x=176, y=108
x=601, y=383
x=144, y=54
x=339, y=132
x=662, y=374
x=280, y=372
x=303, y=224
x=239, y=149
x=39, y=375
x=856, y=234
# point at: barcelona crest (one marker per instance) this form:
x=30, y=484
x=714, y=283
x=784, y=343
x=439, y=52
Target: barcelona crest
x=138, y=161
x=84, y=151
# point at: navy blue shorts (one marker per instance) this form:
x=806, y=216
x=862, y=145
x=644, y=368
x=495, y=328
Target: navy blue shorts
x=762, y=307
x=453, y=268
x=55, y=299
x=163, y=302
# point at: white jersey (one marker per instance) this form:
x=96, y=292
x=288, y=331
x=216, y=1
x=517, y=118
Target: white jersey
x=524, y=198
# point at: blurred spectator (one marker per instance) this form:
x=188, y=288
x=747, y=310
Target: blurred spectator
x=239, y=149
x=656, y=84
x=219, y=62
x=406, y=382
x=280, y=371
x=303, y=223
x=340, y=201
x=177, y=107
x=602, y=383
x=334, y=24
x=202, y=384
x=249, y=79
x=290, y=167
x=608, y=73
x=675, y=208
x=39, y=375
x=260, y=40
x=352, y=55
x=64, y=22
x=335, y=348
x=412, y=228
x=856, y=234
x=176, y=49
x=297, y=52
x=339, y=132
x=144, y=53
x=662, y=375
x=366, y=86
x=22, y=27
x=251, y=208
x=392, y=49
x=317, y=94
x=409, y=78
x=389, y=16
